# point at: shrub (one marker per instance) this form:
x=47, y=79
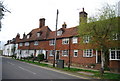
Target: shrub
x=40, y=57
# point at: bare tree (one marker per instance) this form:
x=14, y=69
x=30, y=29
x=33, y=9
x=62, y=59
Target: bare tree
x=2, y=10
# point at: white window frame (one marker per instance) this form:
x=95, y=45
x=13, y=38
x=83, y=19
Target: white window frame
x=86, y=39
x=75, y=40
x=65, y=41
x=51, y=42
x=88, y=53
x=20, y=44
x=59, y=32
x=38, y=34
x=36, y=43
x=115, y=51
x=116, y=36
x=65, y=52
x=75, y=51
x=26, y=43
x=51, y=53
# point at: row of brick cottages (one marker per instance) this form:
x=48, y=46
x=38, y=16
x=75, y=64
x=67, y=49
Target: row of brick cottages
x=41, y=41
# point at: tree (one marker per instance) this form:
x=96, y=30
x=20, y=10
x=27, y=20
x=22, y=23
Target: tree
x=2, y=10
x=101, y=29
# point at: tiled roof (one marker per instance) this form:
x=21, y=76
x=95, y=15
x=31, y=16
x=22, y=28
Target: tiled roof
x=48, y=34
x=44, y=34
x=67, y=32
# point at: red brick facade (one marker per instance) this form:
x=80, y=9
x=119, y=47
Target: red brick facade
x=45, y=35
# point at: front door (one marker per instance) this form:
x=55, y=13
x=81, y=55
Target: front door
x=57, y=54
x=46, y=55
x=99, y=57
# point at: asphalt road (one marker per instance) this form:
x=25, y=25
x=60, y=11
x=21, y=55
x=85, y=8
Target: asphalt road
x=13, y=69
x=0, y=68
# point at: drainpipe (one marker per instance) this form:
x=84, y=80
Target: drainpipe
x=69, y=58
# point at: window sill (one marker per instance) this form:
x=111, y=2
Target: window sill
x=65, y=44
x=51, y=45
x=51, y=56
x=74, y=43
x=88, y=57
x=115, y=59
x=35, y=45
x=65, y=56
x=75, y=56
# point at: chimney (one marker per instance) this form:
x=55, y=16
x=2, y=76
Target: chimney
x=82, y=17
x=18, y=35
x=64, y=25
x=8, y=42
x=41, y=22
x=24, y=35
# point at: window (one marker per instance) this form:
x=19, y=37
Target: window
x=86, y=39
x=114, y=54
x=116, y=36
x=26, y=43
x=65, y=41
x=59, y=33
x=75, y=40
x=51, y=53
x=75, y=53
x=36, y=43
x=38, y=34
x=21, y=44
x=52, y=42
x=87, y=53
x=65, y=53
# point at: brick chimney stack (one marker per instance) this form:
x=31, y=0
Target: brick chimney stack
x=82, y=17
x=24, y=35
x=18, y=35
x=41, y=22
x=64, y=25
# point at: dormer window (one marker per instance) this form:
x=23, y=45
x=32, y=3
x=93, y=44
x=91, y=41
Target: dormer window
x=59, y=33
x=38, y=34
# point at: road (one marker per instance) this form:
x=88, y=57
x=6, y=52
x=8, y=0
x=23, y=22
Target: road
x=13, y=69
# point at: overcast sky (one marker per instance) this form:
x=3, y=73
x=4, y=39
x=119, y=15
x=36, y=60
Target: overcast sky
x=25, y=14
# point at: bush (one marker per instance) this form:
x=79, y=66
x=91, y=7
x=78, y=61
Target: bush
x=40, y=57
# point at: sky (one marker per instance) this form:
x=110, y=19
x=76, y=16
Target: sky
x=25, y=14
